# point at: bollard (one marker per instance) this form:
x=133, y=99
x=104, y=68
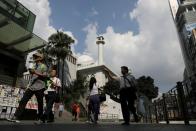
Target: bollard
x=183, y=105
x=165, y=109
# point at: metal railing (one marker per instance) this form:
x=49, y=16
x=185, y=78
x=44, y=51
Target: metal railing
x=178, y=104
x=108, y=117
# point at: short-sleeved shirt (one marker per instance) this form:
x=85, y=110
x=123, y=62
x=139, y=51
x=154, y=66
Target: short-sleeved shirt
x=94, y=90
x=61, y=107
x=36, y=82
x=124, y=83
x=57, y=83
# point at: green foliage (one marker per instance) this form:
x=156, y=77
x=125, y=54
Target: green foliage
x=147, y=87
x=76, y=90
x=59, y=45
x=112, y=87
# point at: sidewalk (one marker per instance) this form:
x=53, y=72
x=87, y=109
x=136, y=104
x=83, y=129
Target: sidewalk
x=81, y=126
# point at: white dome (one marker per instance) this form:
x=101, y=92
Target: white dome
x=84, y=59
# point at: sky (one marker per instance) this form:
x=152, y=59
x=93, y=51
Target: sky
x=138, y=33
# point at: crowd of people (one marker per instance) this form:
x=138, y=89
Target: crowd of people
x=40, y=87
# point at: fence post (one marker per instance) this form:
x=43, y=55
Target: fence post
x=165, y=109
x=156, y=115
x=183, y=105
x=150, y=113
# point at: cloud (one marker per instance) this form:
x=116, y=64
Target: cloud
x=94, y=12
x=42, y=10
x=154, y=51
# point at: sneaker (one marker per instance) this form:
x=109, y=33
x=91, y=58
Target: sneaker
x=125, y=124
x=89, y=122
x=39, y=122
x=13, y=119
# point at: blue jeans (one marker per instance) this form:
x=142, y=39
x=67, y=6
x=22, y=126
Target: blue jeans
x=94, y=103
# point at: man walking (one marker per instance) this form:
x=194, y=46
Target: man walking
x=127, y=94
x=36, y=86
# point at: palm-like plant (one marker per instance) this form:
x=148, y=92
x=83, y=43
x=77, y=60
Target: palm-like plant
x=59, y=46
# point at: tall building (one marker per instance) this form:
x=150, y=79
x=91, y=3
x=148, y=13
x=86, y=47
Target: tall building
x=16, y=40
x=184, y=16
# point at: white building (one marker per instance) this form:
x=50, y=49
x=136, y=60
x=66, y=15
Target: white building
x=109, y=108
x=70, y=69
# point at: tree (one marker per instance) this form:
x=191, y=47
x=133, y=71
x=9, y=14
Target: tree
x=76, y=90
x=112, y=88
x=59, y=46
x=147, y=87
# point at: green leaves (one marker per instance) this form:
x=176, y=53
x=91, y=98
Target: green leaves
x=59, y=45
x=146, y=86
x=77, y=89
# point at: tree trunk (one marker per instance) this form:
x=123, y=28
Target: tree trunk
x=63, y=77
x=58, y=68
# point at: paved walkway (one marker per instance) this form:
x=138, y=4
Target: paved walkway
x=81, y=126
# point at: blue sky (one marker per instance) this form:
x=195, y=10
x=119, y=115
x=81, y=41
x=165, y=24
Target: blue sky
x=74, y=15
x=138, y=33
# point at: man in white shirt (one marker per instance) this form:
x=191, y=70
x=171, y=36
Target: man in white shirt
x=127, y=94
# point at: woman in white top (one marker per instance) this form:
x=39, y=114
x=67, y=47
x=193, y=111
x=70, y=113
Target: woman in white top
x=94, y=101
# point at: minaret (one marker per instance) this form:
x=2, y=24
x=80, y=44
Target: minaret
x=100, y=42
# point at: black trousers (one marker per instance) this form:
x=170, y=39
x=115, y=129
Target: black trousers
x=50, y=99
x=127, y=100
x=27, y=95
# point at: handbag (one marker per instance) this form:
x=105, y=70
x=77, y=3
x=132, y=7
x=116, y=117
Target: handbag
x=102, y=97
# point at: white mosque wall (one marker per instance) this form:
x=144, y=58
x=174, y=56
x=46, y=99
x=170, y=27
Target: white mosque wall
x=109, y=108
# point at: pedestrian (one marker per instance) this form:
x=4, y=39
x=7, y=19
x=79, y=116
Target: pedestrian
x=78, y=112
x=94, y=100
x=54, y=84
x=127, y=93
x=36, y=87
x=74, y=111
x=89, y=111
x=61, y=109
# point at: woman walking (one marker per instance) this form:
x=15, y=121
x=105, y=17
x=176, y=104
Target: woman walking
x=94, y=101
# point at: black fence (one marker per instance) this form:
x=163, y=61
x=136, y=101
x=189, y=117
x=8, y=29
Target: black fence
x=178, y=104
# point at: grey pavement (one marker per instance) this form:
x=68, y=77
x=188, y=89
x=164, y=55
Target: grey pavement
x=82, y=126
